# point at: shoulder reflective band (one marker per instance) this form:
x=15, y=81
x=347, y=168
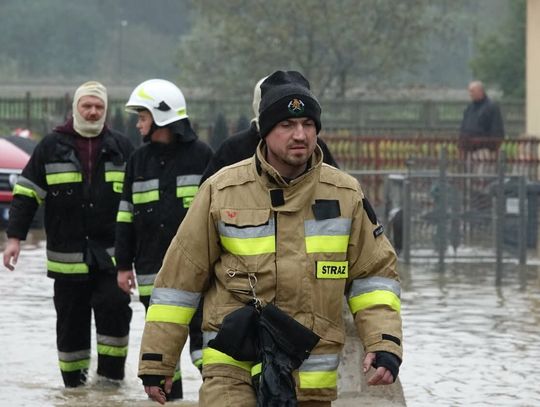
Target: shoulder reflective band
x=114, y=173
x=145, y=191
x=319, y=371
x=28, y=188
x=62, y=173
x=66, y=263
x=374, y=291
x=125, y=212
x=72, y=361
x=332, y=269
x=327, y=236
x=211, y=356
x=249, y=240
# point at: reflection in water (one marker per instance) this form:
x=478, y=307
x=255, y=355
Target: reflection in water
x=469, y=338
x=468, y=341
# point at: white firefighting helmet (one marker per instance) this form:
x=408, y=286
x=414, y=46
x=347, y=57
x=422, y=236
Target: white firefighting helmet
x=162, y=98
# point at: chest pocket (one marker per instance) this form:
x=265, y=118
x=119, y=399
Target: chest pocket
x=64, y=181
x=186, y=188
x=247, y=232
x=114, y=174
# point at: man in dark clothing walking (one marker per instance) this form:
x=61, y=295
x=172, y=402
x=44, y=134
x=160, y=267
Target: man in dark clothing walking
x=482, y=128
x=77, y=172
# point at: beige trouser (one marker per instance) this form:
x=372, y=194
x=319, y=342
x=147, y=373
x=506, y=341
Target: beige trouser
x=220, y=391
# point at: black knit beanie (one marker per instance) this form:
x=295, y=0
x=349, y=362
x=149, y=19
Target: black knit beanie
x=286, y=94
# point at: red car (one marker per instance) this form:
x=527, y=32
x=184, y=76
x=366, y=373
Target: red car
x=14, y=154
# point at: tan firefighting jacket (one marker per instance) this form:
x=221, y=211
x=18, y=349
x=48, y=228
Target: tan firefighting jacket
x=305, y=246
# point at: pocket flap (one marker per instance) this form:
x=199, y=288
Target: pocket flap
x=245, y=217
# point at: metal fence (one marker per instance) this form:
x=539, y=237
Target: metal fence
x=441, y=214
x=367, y=117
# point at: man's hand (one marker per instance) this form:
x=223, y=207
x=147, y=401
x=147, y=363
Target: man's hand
x=11, y=253
x=381, y=376
x=156, y=393
x=126, y=280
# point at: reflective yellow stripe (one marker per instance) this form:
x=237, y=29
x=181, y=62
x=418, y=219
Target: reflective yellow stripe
x=318, y=380
x=190, y=190
x=20, y=190
x=186, y=201
x=63, y=178
x=256, y=369
x=67, y=268
x=212, y=356
x=374, y=298
x=327, y=244
x=118, y=187
x=112, y=176
x=249, y=247
x=115, y=351
x=170, y=313
x=197, y=363
x=146, y=290
x=177, y=376
x=123, y=216
x=73, y=366
x=145, y=197
x=113, y=260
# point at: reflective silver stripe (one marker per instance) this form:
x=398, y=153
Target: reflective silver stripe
x=143, y=186
x=320, y=363
x=328, y=227
x=207, y=336
x=367, y=285
x=110, y=251
x=171, y=296
x=196, y=355
x=192, y=179
x=146, y=279
x=112, y=340
x=109, y=166
x=72, y=356
x=65, y=257
x=125, y=206
x=60, y=167
x=248, y=231
x=25, y=182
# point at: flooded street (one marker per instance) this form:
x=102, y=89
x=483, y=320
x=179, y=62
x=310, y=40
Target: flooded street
x=468, y=342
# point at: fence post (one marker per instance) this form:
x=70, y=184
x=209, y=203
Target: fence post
x=442, y=212
x=407, y=220
x=500, y=208
x=522, y=234
x=28, y=110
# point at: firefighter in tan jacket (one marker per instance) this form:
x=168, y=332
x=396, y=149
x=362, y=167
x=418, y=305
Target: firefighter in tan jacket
x=284, y=229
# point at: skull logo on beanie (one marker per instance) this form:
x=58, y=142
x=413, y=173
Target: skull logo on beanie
x=286, y=94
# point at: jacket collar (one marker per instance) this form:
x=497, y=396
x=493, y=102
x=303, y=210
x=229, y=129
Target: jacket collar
x=295, y=193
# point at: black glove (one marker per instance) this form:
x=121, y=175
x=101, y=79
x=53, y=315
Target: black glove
x=151, y=380
x=389, y=361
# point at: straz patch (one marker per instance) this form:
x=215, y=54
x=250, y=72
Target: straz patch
x=332, y=269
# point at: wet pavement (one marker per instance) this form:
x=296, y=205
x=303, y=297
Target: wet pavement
x=468, y=342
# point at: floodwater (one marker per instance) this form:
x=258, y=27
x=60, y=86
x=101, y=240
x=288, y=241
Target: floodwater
x=468, y=341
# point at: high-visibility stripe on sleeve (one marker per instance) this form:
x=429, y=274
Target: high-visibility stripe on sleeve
x=374, y=291
x=24, y=191
x=327, y=236
x=25, y=184
x=249, y=240
x=170, y=313
x=125, y=212
x=146, y=290
x=319, y=372
x=172, y=296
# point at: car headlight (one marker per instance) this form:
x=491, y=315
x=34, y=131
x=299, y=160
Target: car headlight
x=13, y=180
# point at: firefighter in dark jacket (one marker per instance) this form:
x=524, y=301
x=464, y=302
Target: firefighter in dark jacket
x=77, y=172
x=162, y=178
x=243, y=144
